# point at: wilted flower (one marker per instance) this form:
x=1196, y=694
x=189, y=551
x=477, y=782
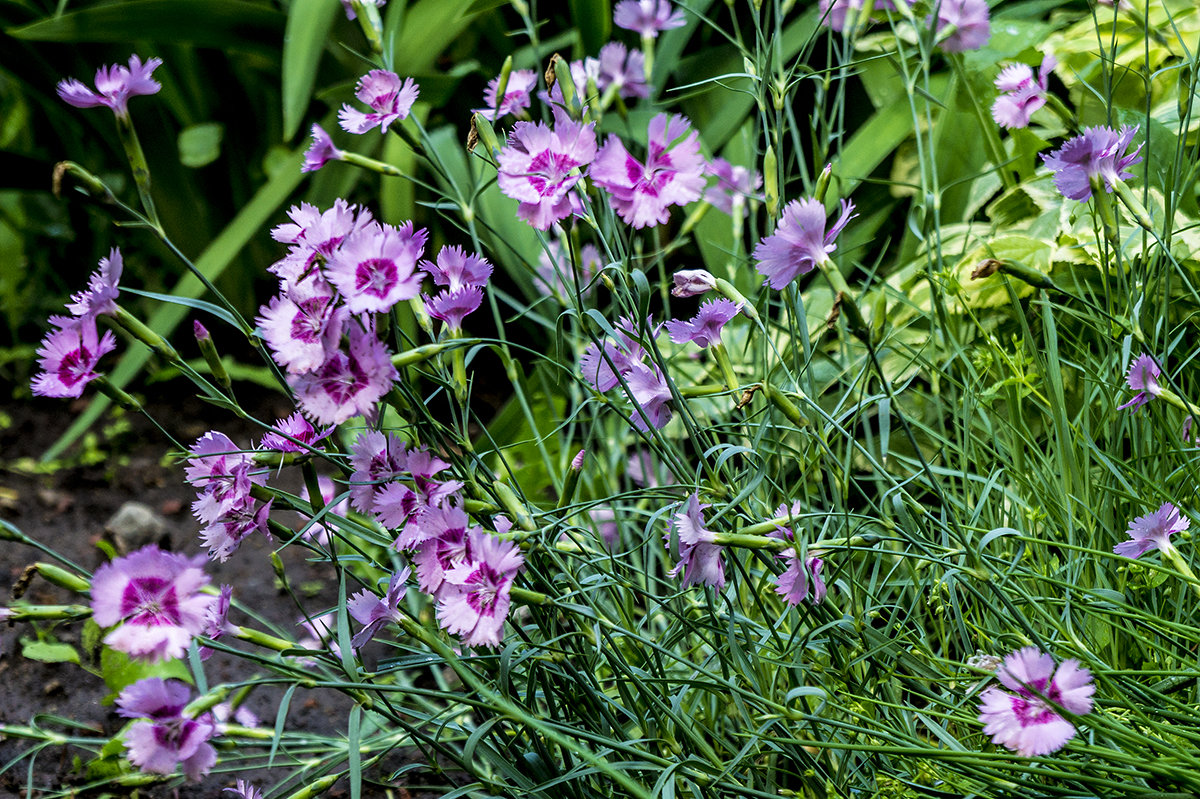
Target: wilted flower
x=1142, y=378
x=389, y=99
x=166, y=738
x=155, y=597
x=969, y=22
x=704, y=329
x=1027, y=721
x=673, y=173
x=1098, y=153
x=321, y=151
x=115, y=85
x=1022, y=93
x=1152, y=531
x=800, y=242
x=647, y=17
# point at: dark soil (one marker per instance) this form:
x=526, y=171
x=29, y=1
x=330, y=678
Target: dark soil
x=67, y=510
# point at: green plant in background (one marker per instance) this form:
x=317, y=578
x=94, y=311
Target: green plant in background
x=876, y=514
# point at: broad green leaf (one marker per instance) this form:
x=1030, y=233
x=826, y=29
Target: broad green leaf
x=48, y=651
x=226, y=24
x=308, y=25
x=119, y=670
x=200, y=145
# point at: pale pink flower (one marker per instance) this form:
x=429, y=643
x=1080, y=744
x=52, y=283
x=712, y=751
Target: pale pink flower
x=376, y=458
x=100, y=297
x=1153, y=531
x=376, y=267
x=1022, y=94
x=735, y=184
x=279, y=438
x=692, y=282
x=303, y=326
x=647, y=17
x=373, y=611
x=971, y=24
x=801, y=580
x=350, y=382
x=166, y=738
x=321, y=151
x=516, y=94
x=1028, y=720
x=699, y=558
x=1143, y=378
x=540, y=166
x=477, y=605
x=800, y=242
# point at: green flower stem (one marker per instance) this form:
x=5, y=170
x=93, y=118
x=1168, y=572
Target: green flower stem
x=372, y=164
x=727, y=290
x=721, y=356
x=136, y=328
x=525, y=596
x=371, y=24
x=507, y=708
x=1102, y=202
x=458, y=367
x=513, y=505
x=422, y=353
x=1133, y=205
x=314, y=487
x=45, y=612
x=138, y=165
x=117, y=394
x=265, y=640
x=648, y=52
x=987, y=127
x=1171, y=555
x=706, y=390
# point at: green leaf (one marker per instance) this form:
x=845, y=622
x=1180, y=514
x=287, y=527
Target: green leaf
x=308, y=25
x=200, y=145
x=119, y=670
x=48, y=651
x=227, y=24
x=593, y=20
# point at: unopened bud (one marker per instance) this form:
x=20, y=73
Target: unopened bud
x=209, y=350
x=823, y=183
x=771, y=180
x=693, y=282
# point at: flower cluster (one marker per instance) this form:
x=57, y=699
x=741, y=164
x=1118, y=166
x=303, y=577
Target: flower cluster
x=226, y=505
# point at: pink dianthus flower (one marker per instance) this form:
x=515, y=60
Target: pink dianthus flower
x=376, y=267
x=800, y=242
x=1099, y=153
x=349, y=383
x=321, y=151
x=69, y=355
x=166, y=738
x=389, y=99
x=1153, y=531
x=1022, y=94
x=971, y=26
x=114, y=86
x=1027, y=720
x=516, y=94
x=477, y=604
x=540, y=166
x=673, y=173
x=647, y=17
x=155, y=598
x=699, y=558
x=1142, y=378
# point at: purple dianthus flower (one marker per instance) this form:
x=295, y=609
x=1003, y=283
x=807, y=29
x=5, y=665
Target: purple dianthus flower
x=155, y=597
x=69, y=355
x=373, y=611
x=1152, y=531
x=389, y=99
x=1142, y=378
x=647, y=17
x=100, y=297
x=376, y=267
x=704, y=329
x=476, y=600
x=800, y=242
x=166, y=738
x=451, y=307
x=1027, y=720
x=114, y=86
x=699, y=558
x=321, y=151
x=349, y=383
x=455, y=269
x=1098, y=153
x=673, y=173
x=516, y=94
x=971, y=26
x=735, y=184
x=1022, y=93
x=801, y=580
